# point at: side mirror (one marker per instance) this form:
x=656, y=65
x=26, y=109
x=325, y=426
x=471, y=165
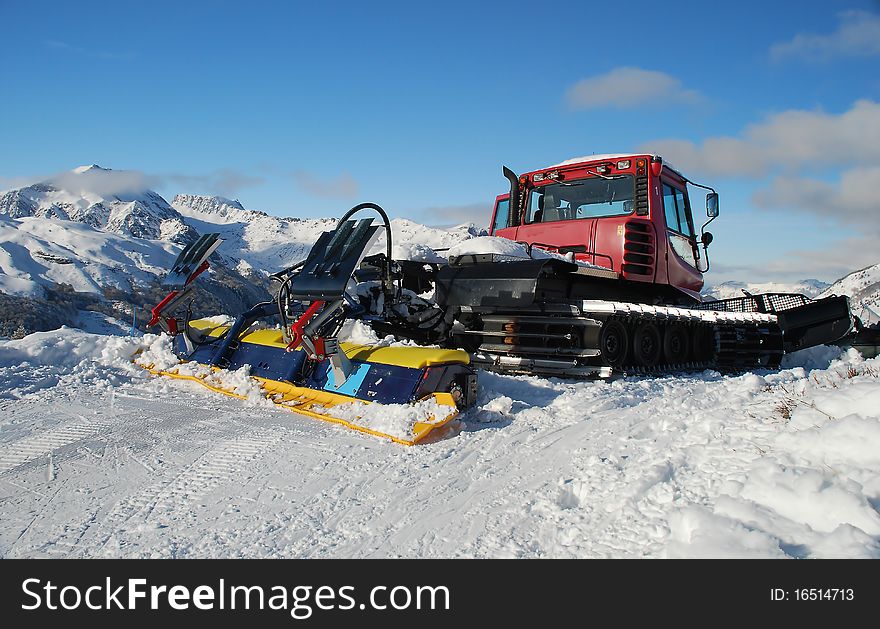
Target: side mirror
x=712, y=204
x=707, y=237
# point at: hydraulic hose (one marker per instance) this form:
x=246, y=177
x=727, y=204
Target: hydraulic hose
x=196, y=342
x=372, y=206
x=279, y=297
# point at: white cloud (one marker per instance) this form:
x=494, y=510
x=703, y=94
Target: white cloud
x=852, y=200
x=628, y=87
x=223, y=181
x=785, y=141
x=107, y=183
x=857, y=34
x=342, y=187
x=78, y=50
x=478, y=213
x=830, y=263
x=104, y=183
x=809, y=163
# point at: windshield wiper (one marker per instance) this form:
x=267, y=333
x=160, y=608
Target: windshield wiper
x=582, y=182
x=598, y=174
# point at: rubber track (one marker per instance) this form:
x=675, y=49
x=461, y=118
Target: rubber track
x=742, y=340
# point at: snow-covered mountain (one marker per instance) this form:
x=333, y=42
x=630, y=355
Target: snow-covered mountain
x=863, y=288
x=731, y=289
x=92, y=230
x=97, y=240
x=37, y=253
x=259, y=241
x=102, y=198
x=269, y=243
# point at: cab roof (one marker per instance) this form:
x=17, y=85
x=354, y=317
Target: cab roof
x=609, y=157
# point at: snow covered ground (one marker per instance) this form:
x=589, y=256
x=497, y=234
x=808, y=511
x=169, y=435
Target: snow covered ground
x=99, y=459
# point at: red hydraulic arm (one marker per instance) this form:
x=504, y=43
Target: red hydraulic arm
x=171, y=297
x=297, y=327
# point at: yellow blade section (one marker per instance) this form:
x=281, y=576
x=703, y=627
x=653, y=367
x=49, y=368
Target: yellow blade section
x=318, y=404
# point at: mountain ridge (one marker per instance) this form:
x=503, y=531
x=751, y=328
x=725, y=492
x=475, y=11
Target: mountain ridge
x=87, y=194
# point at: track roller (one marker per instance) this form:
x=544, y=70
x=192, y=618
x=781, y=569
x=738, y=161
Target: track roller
x=647, y=346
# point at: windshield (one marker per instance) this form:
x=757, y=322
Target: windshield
x=585, y=198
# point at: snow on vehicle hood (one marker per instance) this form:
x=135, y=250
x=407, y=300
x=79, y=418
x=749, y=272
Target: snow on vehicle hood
x=507, y=249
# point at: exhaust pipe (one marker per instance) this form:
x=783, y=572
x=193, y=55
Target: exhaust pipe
x=513, y=213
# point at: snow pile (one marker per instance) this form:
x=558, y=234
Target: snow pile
x=814, y=490
x=238, y=382
x=417, y=252
x=812, y=358
x=69, y=357
x=68, y=348
x=66, y=357
x=395, y=420
x=508, y=250
x=494, y=245
x=157, y=354
x=358, y=332
x=219, y=320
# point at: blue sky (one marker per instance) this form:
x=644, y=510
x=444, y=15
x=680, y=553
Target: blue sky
x=301, y=109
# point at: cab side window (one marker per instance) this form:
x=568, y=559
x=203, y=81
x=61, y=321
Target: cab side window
x=670, y=208
x=679, y=224
x=684, y=213
x=502, y=212
x=677, y=212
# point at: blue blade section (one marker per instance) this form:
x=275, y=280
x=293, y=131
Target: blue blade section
x=352, y=384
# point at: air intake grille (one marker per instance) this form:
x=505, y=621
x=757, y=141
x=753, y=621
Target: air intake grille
x=639, y=249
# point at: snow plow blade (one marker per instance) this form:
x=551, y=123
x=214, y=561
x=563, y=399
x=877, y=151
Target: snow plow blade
x=804, y=322
x=402, y=393
x=319, y=405
x=385, y=385
x=866, y=340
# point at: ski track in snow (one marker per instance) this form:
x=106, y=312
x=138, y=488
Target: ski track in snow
x=26, y=450
x=776, y=464
x=169, y=500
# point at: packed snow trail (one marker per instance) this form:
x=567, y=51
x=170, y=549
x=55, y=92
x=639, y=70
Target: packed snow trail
x=98, y=459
